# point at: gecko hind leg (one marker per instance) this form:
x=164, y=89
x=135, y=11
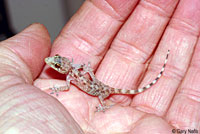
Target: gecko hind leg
x=102, y=107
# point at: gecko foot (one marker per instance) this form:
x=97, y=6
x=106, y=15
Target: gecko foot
x=57, y=89
x=101, y=108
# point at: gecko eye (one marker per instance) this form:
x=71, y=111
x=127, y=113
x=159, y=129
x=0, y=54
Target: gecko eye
x=57, y=65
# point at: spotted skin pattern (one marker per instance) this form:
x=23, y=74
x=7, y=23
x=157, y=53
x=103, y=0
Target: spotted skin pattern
x=76, y=74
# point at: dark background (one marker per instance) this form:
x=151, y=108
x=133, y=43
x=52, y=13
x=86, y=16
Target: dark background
x=15, y=15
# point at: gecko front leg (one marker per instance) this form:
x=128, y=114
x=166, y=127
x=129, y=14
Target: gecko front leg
x=88, y=69
x=68, y=80
x=57, y=89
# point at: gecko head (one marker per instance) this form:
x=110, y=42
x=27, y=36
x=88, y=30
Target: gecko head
x=59, y=63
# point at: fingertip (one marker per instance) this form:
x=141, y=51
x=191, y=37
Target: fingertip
x=118, y=9
x=188, y=11
x=38, y=28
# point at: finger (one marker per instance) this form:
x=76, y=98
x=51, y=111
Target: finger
x=180, y=37
x=24, y=53
x=185, y=108
x=87, y=36
x=123, y=65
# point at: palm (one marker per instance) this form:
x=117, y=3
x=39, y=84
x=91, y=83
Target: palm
x=87, y=37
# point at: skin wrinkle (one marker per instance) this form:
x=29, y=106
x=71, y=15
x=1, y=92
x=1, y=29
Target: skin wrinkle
x=193, y=72
x=151, y=97
x=37, y=129
x=110, y=11
x=195, y=64
x=11, y=82
x=32, y=102
x=181, y=25
x=38, y=28
x=90, y=50
x=171, y=71
x=11, y=96
x=114, y=10
x=126, y=78
x=26, y=35
x=156, y=103
x=142, y=104
x=115, y=81
x=190, y=12
x=6, y=78
x=145, y=107
x=124, y=49
x=118, y=80
x=35, y=109
x=182, y=111
x=27, y=78
x=16, y=107
x=12, y=70
x=190, y=93
x=34, y=35
x=155, y=8
x=100, y=23
x=141, y=118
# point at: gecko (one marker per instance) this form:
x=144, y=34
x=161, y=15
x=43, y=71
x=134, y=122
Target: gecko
x=76, y=74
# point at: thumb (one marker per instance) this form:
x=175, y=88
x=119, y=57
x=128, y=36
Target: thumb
x=23, y=107
x=23, y=55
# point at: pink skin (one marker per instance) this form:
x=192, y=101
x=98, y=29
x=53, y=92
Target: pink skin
x=118, y=38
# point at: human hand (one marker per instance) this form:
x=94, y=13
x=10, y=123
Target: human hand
x=119, y=61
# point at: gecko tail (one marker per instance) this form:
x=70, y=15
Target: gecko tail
x=125, y=91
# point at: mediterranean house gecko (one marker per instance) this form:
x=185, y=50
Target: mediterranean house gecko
x=76, y=75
